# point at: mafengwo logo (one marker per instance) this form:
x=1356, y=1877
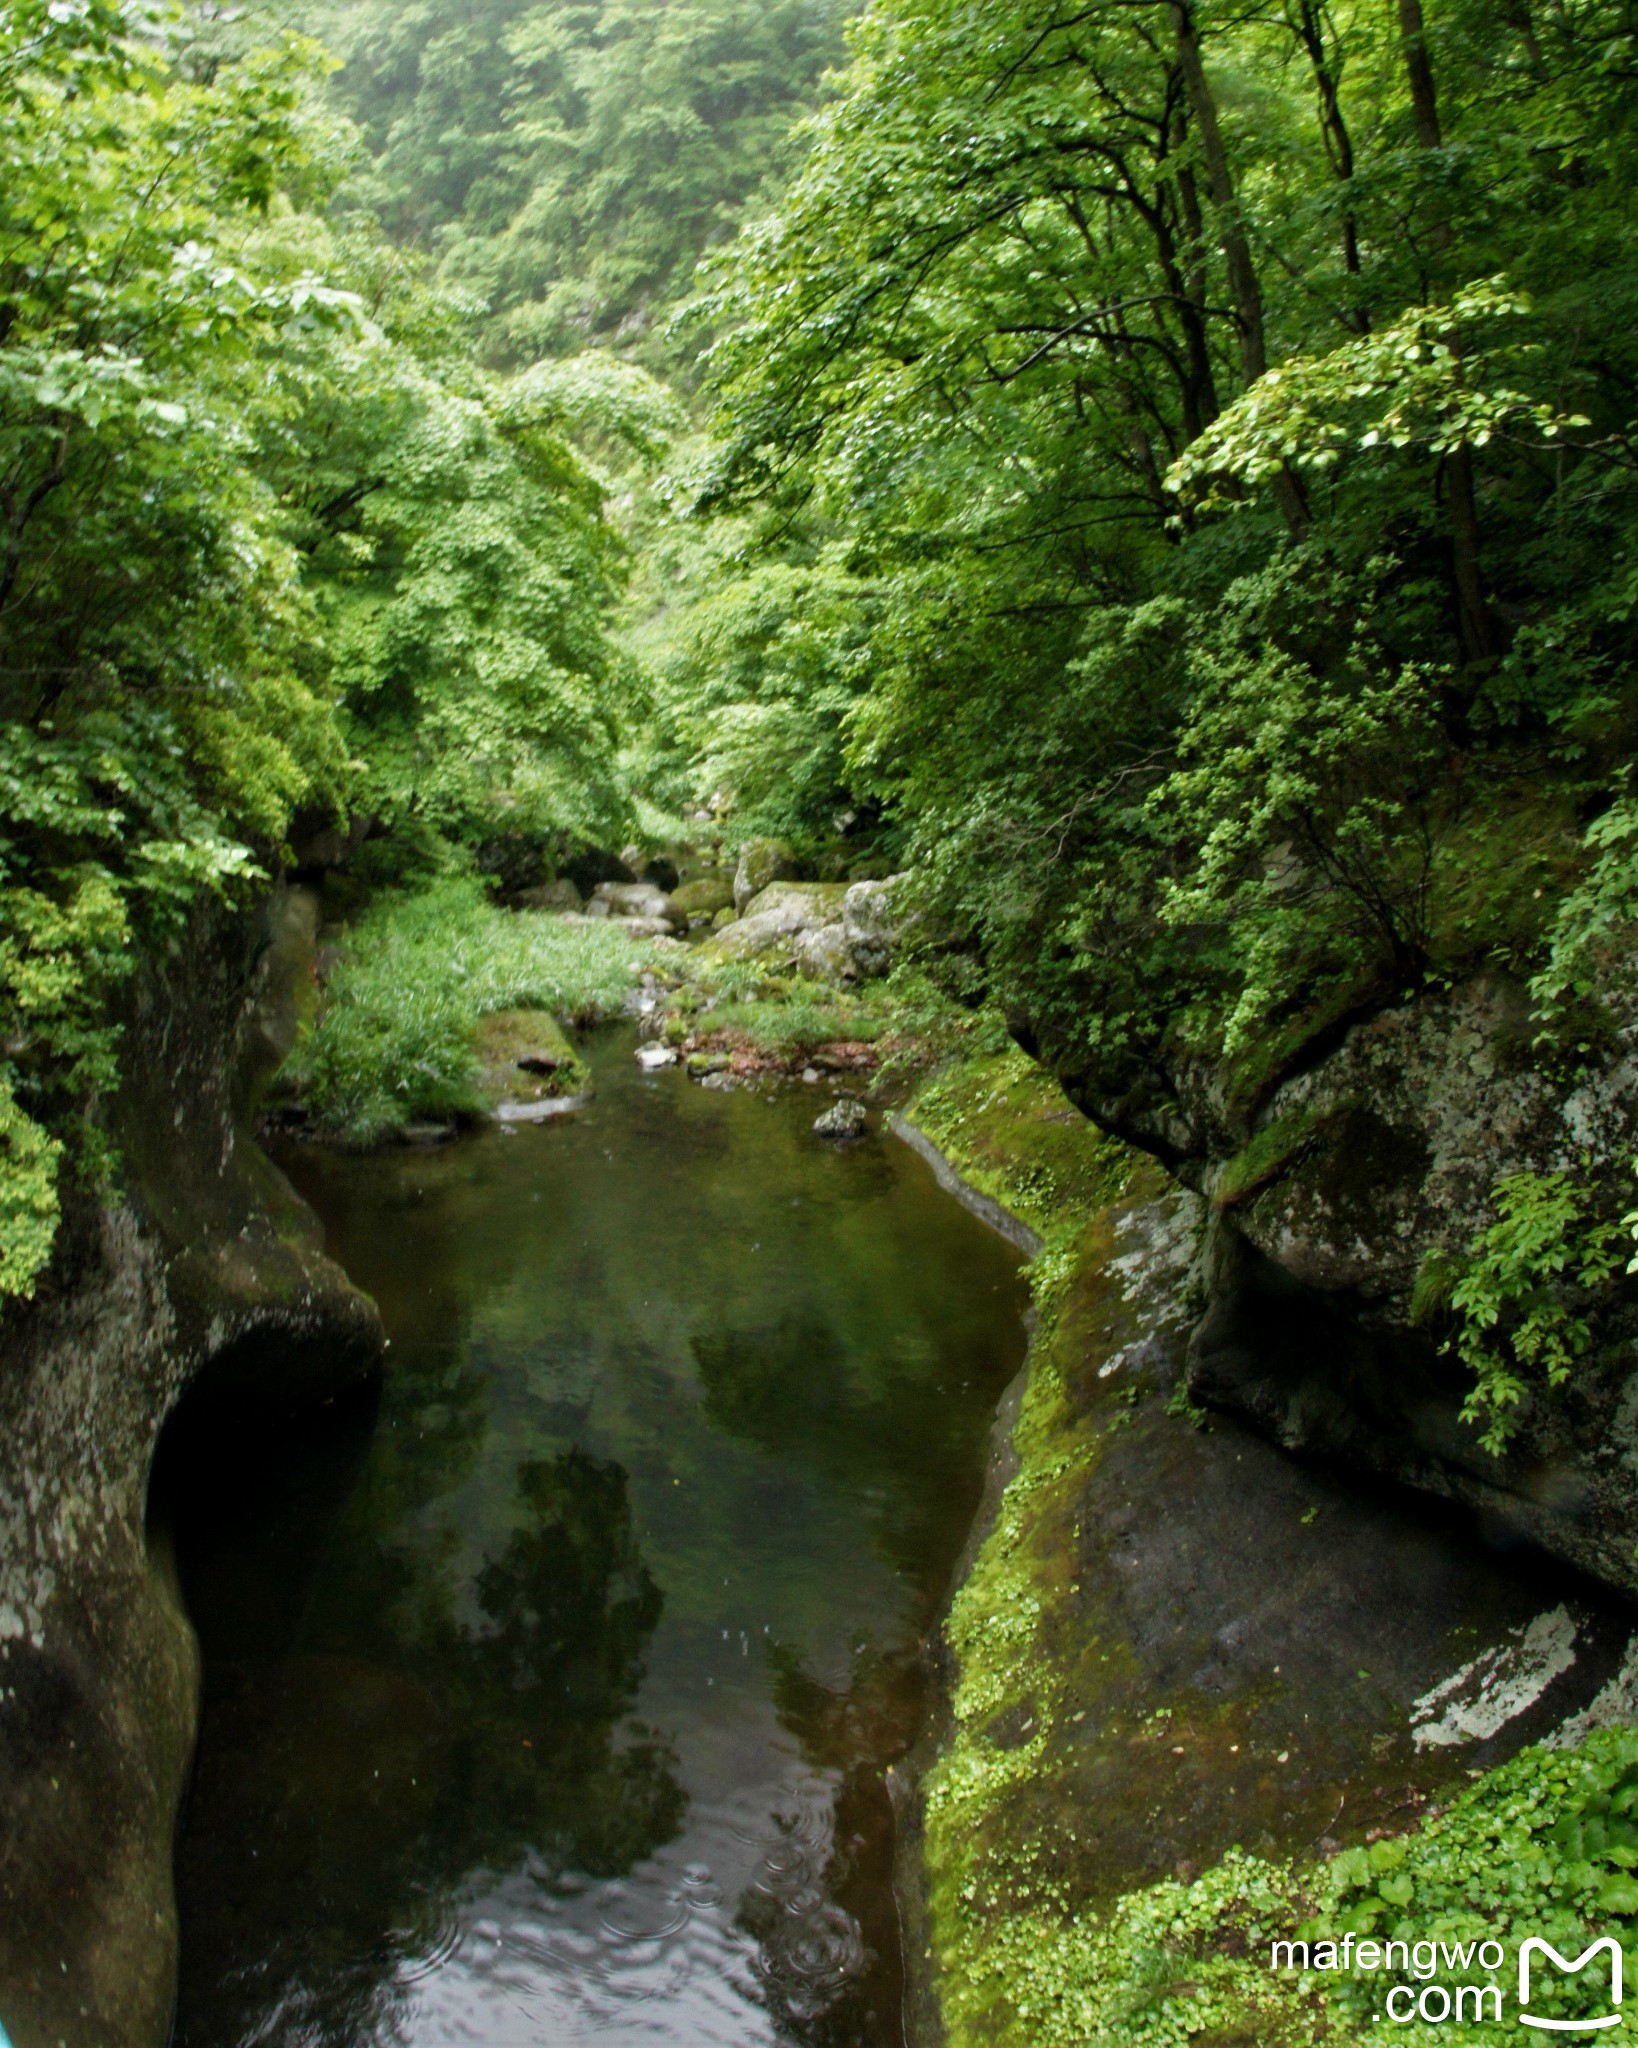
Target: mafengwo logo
x=1438, y=1983
x=1535, y=1948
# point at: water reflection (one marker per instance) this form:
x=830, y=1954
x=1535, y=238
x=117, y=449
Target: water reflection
x=551, y=1703
x=455, y=1728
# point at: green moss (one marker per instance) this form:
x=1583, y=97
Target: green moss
x=1268, y=1155
x=526, y=1056
x=1009, y=1131
x=1008, y=1128
x=1029, y=1945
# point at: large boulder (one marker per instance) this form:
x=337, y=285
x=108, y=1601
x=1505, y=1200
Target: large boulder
x=768, y=939
x=762, y=861
x=824, y=954
x=555, y=897
x=704, y=897
x=773, y=921
x=803, y=905
x=637, y=899
x=875, y=925
x=1345, y=1185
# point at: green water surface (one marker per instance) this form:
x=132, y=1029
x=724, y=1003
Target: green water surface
x=549, y=1696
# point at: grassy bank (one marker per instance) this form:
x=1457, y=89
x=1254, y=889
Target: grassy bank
x=397, y=1038
x=1029, y=1948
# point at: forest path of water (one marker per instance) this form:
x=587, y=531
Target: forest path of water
x=549, y=1699
x=550, y=1693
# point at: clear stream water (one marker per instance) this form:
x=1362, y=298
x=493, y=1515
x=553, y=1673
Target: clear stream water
x=550, y=1693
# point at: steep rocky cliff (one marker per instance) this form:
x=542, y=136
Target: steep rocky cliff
x=1342, y=1186
x=202, y=1277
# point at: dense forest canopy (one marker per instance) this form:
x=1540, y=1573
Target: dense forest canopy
x=1169, y=480
x=567, y=164
x=1230, y=410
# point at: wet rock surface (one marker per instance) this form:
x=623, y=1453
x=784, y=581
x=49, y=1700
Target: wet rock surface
x=1334, y=1192
x=207, y=1279
x=844, y=1121
x=1174, y=1637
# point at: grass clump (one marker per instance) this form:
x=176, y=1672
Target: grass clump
x=395, y=1041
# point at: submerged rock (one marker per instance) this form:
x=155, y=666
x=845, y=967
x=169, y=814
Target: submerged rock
x=525, y=1058
x=844, y=1120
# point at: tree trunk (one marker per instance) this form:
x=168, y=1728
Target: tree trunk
x=1242, y=271
x=1339, y=144
x=1475, y=622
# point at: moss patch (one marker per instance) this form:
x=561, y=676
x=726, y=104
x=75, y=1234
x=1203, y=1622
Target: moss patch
x=1269, y=1154
x=526, y=1056
x=1172, y=1683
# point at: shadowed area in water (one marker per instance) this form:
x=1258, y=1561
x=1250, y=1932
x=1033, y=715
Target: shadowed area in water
x=549, y=1695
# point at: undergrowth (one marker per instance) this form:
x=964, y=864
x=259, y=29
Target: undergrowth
x=394, y=1041
x=1541, y=1846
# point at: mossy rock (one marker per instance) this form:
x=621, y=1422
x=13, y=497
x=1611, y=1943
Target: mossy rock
x=762, y=861
x=704, y=897
x=526, y=1056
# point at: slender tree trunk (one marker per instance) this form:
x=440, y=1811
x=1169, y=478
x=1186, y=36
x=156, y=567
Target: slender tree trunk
x=1339, y=143
x=1242, y=271
x=1476, y=624
x=1196, y=322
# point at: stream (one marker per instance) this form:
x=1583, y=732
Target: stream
x=552, y=1686
x=550, y=1690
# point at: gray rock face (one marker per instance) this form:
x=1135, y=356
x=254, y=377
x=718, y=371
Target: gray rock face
x=761, y=861
x=875, y=930
x=844, y=1120
x=636, y=899
x=824, y=954
x=207, y=1277
x=1366, y=1169
x=774, y=920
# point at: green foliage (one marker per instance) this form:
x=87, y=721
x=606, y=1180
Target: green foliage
x=394, y=1041
x=28, y=1197
x=1526, y=1292
x=568, y=162
x=1229, y=439
x=1541, y=1846
x=754, y=688
x=269, y=540
x=1594, y=921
